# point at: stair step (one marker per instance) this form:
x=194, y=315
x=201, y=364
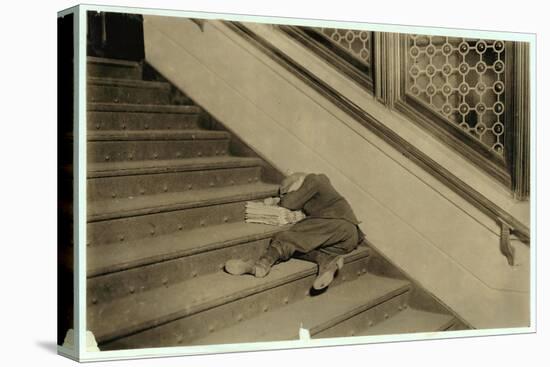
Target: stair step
x=176, y=180
x=114, y=169
x=162, y=305
x=109, y=146
x=313, y=313
x=113, y=90
x=150, y=204
x=144, y=108
x=113, y=68
x=163, y=223
x=119, y=256
x=147, y=135
x=116, y=270
x=411, y=321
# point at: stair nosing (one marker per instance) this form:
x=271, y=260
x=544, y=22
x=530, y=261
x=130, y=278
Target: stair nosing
x=441, y=327
x=143, y=108
x=173, y=166
x=152, y=135
x=109, y=61
x=128, y=83
x=262, y=191
x=215, y=302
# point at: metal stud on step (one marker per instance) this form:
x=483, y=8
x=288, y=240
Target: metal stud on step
x=225, y=219
x=239, y=317
x=190, y=187
x=285, y=300
x=265, y=308
x=199, y=154
x=113, y=195
x=121, y=238
x=211, y=328
x=371, y=323
x=194, y=274
x=94, y=301
x=164, y=281
x=180, y=227
x=165, y=188
x=107, y=157
x=132, y=290
x=386, y=316
x=152, y=232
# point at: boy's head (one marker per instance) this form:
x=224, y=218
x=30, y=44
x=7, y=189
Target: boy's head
x=292, y=182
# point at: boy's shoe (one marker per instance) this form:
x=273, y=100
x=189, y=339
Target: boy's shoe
x=327, y=272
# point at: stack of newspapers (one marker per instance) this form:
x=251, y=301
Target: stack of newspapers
x=260, y=212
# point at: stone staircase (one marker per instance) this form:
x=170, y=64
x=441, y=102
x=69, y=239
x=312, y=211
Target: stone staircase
x=166, y=195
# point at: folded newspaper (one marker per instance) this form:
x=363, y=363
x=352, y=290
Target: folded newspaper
x=267, y=212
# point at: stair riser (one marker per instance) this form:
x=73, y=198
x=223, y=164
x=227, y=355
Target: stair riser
x=105, y=288
x=154, y=225
x=358, y=324
x=135, y=186
x=185, y=330
x=123, y=151
x=113, y=71
x=108, y=120
x=124, y=94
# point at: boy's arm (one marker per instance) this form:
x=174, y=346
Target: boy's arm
x=295, y=200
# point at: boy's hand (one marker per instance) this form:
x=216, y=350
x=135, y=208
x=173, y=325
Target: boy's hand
x=272, y=201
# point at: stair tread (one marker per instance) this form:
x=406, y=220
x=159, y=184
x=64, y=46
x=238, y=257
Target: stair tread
x=118, y=62
x=130, y=135
x=312, y=313
x=149, y=108
x=157, y=306
x=107, y=169
x=125, y=255
x=149, y=204
x=131, y=83
x=410, y=321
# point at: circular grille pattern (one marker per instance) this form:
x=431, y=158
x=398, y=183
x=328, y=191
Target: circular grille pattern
x=358, y=43
x=463, y=81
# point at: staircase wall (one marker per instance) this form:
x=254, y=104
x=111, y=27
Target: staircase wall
x=439, y=240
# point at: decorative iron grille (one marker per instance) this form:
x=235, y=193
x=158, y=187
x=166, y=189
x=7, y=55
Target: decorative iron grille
x=463, y=81
x=358, y=43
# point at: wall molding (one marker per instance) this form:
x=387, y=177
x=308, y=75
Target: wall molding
x=379, y=129
x=341, y=60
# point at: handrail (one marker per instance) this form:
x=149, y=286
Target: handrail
x=467, y=192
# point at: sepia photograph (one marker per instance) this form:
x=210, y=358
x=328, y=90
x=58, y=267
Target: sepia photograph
x=248, y=182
